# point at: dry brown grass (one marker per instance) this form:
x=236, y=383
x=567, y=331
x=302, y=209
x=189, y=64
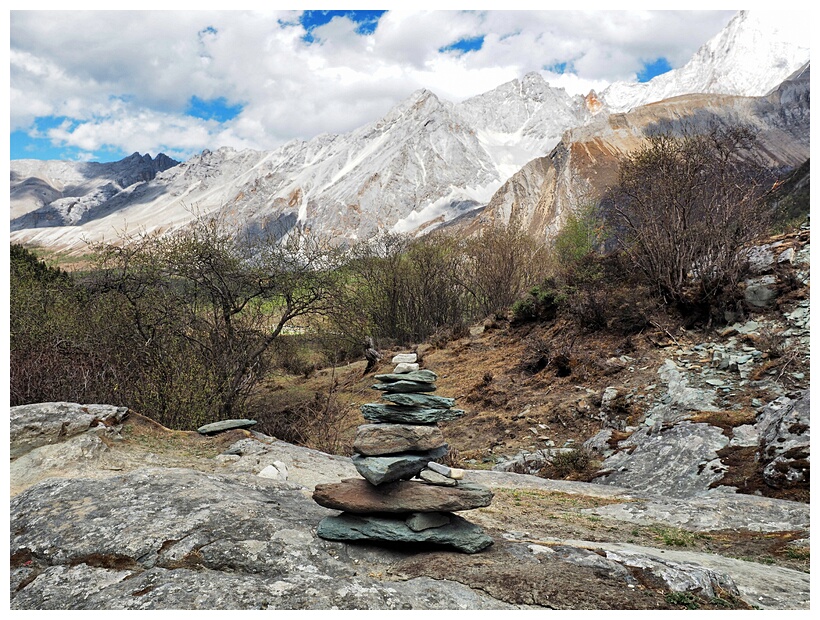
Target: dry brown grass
x=727, y=419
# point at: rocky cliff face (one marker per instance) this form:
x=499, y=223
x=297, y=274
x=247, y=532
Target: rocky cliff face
x=585, y=162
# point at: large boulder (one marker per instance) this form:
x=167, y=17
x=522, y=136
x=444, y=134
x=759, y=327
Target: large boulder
x=40, y=424
x=181, y=539
x=680, y=461
x=783, y=445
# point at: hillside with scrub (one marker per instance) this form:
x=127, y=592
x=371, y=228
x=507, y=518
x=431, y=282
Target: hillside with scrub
x=637, y=386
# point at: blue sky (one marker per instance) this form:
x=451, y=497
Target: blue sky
x=101, y=85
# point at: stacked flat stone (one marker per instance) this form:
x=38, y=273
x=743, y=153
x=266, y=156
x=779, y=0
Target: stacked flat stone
x=404, y=495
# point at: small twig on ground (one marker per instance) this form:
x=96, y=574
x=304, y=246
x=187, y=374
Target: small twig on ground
x=792, y=357
x=666, y=331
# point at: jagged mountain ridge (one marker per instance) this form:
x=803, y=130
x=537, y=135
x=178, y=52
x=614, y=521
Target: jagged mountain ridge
x=63, y=185
x=424, y=164
x=585, y=162
x=426, y=161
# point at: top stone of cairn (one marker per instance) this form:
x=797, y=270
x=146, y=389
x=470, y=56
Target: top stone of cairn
x=404, y=358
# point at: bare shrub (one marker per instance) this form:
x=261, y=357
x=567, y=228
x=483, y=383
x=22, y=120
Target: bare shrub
x=453, y=458
x=684, y=207
x=408, y=288
x=772, y=343
x=319, y=421
x=203, y=306
x=500, y=264
x=537, y=356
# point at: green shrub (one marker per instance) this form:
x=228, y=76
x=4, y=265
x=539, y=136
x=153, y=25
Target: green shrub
x=584, y=232
x=686, y=600
x=541, y=303
x=498, y=265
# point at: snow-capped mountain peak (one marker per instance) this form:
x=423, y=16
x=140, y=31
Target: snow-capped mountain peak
x=426, y=162
x=754, y=53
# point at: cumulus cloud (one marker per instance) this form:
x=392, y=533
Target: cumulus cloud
x=125, y=79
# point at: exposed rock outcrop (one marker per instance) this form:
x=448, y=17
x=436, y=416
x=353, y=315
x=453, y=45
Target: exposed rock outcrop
x=783, y=428
x=107, y=532
x=40, y=424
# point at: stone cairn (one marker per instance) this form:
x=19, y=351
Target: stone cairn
x=405, y=495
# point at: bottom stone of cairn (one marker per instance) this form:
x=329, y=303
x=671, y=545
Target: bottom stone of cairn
x=456, y=532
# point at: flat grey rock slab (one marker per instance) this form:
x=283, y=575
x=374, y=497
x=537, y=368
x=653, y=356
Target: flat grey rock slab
x=405, y=368
x=408, y=415
x=225, y=425
x=711, y=511
x=405, y=387
x=383, y=469
x=419, y=376
x=420, y=400
x=433, y=477
x=458, y=533
x=403, y=496
x=381, y=439
x=714, y=511
x=404, y=358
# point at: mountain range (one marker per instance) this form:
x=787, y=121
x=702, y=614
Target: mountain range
x=525, y=150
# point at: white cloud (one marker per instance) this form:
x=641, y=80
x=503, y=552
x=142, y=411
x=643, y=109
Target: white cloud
x=144, y=131
x=128, y=75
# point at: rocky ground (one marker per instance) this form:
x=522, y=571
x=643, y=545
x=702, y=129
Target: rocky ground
x=111, y=511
